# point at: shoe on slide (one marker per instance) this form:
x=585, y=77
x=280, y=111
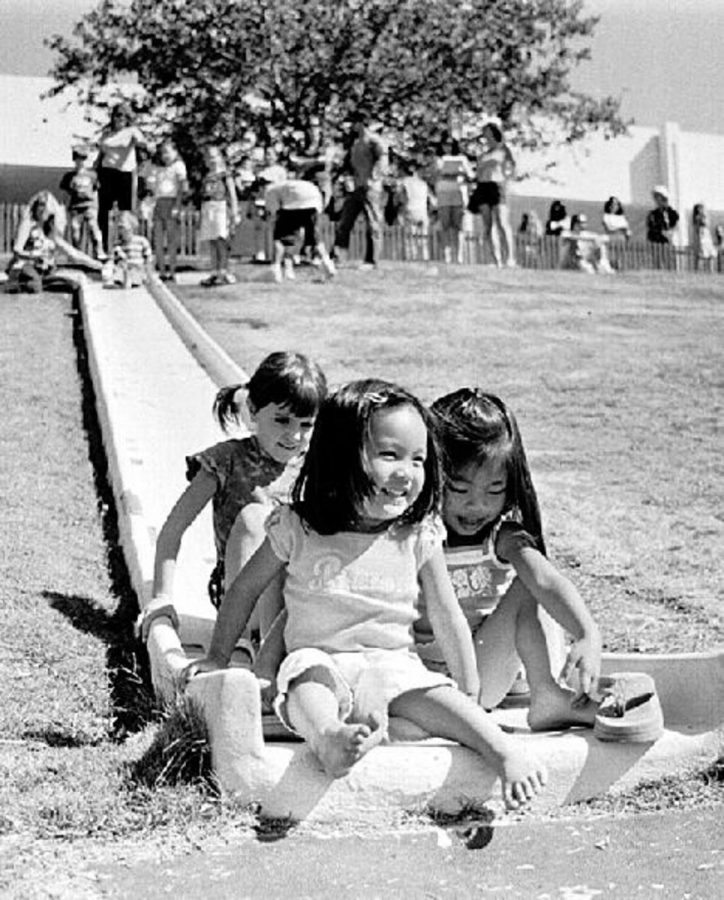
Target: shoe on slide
x=630, y=710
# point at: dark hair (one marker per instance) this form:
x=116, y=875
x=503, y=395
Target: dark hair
x=495, y=130
x=474, y=427
x=557, y=211
x=333, y=483
x=454, y=145
x=285, y=378
x=613, y=206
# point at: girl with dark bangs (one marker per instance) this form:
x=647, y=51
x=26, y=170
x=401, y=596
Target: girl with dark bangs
x=360, y=546
x=496, y=557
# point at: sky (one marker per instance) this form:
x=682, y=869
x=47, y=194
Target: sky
x=663, y=58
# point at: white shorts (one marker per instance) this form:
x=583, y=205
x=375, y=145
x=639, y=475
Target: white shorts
x=363, y=681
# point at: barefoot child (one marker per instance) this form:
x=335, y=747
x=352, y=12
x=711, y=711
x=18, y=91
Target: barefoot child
x=361, y=543
x=496, y=558
x=243, y=477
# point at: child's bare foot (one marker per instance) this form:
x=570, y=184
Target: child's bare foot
x=522, y=777
x=552, y=708
x=340, y=748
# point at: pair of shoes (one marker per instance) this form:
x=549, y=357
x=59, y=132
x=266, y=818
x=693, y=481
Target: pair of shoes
x=630, y=709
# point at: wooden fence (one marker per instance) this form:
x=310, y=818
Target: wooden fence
x=253, y=240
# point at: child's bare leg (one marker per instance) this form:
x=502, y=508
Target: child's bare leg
x=446, y=712
x=245, y=538
x=496, y=649
x=313, y=711
x=551, y=703
x=272, y=650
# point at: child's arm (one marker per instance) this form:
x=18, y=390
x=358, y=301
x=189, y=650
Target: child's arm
x=233, y=202
x=75, y=255
x=236, y=608
x=449, y=624
x=560, y=598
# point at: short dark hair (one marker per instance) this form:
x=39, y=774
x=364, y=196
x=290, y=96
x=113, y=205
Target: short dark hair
x=333, y=483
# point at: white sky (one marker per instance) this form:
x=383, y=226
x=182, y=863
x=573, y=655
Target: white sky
x=665, y=58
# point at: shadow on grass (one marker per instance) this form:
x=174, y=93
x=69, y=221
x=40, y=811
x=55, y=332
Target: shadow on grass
x=132, y=700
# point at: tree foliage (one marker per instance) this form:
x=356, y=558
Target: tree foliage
x=212, y=69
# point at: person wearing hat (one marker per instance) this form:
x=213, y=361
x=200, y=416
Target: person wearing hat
x=662, y=220
x=81, y=187
x=118, y=165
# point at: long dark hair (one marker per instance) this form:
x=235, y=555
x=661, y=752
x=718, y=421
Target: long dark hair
x=285, y=378
x=333, y=483
x=473, y=427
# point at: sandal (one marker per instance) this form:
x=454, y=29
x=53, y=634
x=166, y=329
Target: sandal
x=630, y=710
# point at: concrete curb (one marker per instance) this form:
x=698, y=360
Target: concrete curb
x=154, y=407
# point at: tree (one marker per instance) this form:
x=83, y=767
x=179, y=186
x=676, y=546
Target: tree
x=212, y=69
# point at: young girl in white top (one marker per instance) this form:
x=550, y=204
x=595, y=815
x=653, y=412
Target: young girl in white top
x=169, y=183
x=243, y=477
x=361, y=543
x=497, y=561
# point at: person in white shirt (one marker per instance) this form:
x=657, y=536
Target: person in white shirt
x=295, y=205
x=169, y=184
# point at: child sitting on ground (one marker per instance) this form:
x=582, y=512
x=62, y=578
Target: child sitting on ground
x=361, y=545
x=584, y=250
x=132, y=254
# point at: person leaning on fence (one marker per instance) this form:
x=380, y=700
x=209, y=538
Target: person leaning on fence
x=614, y=220
x=530, y=232
x=661, y=224
x=367, y=162
x=702, y=243
x=81, y=187
x=33, y=267
x=583, y=250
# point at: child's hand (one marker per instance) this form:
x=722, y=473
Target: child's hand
x=584, y=656
x=201, y=666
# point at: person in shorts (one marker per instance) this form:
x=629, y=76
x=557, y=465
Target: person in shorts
x=295, y=206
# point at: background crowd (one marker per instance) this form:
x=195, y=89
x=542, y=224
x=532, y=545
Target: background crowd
x=357, y=176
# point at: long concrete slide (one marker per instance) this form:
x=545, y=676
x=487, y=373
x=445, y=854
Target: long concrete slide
x=155, y=373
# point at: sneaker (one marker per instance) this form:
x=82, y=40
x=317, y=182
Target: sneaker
x=210, y=281
x=630, y=710
x=276, y=271
x=227, y=278
x=289, y=270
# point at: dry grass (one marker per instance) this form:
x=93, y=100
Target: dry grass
x=617, y=383
x=619, y=398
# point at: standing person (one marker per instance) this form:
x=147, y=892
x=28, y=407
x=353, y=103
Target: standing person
x=702, y=242
x=661, y=224
x=453, y=175
x=169, y=183
x=81, y=187
x=117, y=166
x=558, y=220
x=367, y=162
x=495, y=167
x=219, y=215
x=415, y=202
x=496, y=557
x=614, y=220
x=294, y=206
x=360, y=544
x=242, y=477
x=531, y=234
x=33, y=266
